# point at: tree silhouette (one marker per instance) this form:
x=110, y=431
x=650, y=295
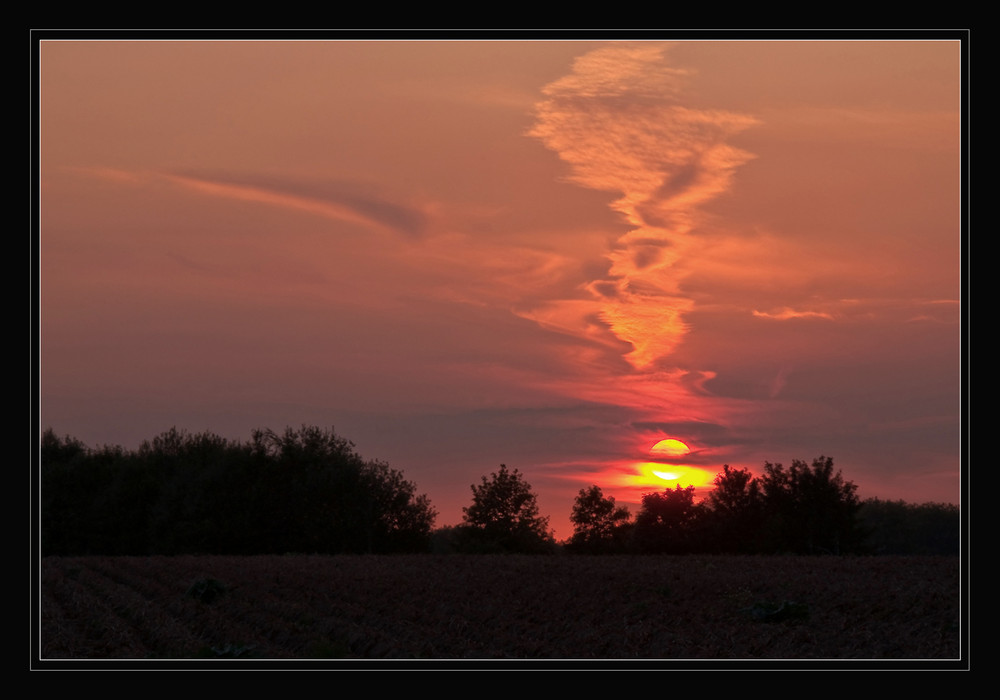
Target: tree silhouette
x=897, y=527
x=810, y=509
x=735, y=511
x=666, y=521
x=303, y=490
x=327, y=498
x=504, y=516
x=599, y=525
x=398, y=519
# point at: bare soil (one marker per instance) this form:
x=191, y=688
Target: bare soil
x=500, y=607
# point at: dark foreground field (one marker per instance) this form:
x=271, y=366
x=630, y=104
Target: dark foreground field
x=499, y=607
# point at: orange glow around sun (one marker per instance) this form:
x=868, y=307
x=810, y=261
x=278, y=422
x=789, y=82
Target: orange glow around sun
x=661, y=475
x=664, y=469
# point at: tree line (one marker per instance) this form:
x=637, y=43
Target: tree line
x=303, y=490
x=802, y=509
x=308, y=491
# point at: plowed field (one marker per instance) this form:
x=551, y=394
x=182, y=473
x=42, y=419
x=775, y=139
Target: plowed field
x=499, y=607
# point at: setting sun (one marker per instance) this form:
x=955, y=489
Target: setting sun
x=669, y=448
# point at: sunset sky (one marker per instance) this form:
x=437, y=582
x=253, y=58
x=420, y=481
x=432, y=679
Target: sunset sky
x=548, y=254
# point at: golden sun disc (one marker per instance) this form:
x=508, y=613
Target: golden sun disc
x=669, y=448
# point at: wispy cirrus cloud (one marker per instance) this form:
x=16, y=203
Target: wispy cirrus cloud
x=787, y=313
x=337, y=200
x=616, y=119
x=346, y=201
